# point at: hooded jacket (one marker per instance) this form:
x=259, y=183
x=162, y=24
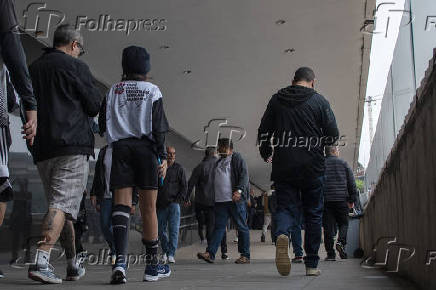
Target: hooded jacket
x=300, y=123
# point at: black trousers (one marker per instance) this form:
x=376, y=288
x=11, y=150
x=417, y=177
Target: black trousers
x=335, y=218
x=20, y=239
x=206, y=218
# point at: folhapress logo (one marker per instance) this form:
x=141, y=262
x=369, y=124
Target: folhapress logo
x=393, y=254
x=38, y=19
x=216, y=129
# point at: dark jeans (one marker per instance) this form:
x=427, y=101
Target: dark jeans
x=238, y=212
x=306, y=198
x=297, y=241
x=335, y=217
x=20, y=239
x=206, y=218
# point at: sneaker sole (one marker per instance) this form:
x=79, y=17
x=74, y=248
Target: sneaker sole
x=149, y=278
x=164, y=275
x=202, y=258
x=283, y=262
x=43, y=279
x=74, y=278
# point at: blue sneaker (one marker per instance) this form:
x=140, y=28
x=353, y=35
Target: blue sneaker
x=44, y=275
x=163, y=271
x=119, y=274
x=151, y=273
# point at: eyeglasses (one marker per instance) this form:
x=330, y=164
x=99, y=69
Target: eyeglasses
x=82, y=50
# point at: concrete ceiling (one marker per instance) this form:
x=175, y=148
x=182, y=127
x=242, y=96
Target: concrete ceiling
x=235, y=52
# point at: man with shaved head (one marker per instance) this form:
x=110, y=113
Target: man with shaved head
x=304, y=120
x=171, y=192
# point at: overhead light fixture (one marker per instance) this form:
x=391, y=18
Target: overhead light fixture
x=280, y=22
x=164, y=47
x=289, y=50
x=187, y=72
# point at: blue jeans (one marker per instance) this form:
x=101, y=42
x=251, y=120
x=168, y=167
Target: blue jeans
x=169, y=217
x=297, y=241
x=308, y=199
x=106, y=222
x=238, y=211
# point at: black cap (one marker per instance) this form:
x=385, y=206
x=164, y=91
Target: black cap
x=135, y=60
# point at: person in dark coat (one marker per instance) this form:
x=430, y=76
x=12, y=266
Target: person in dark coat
x=201, y=179
x=339, y=197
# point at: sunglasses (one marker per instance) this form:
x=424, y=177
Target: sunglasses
x=82, y=50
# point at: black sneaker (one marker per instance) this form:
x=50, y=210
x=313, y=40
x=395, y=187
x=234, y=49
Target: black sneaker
x=225, y=257
x=119, y=275
x=330, y=258
x=341, y=249
x=1, y=274
x=297, y=260
x=15, y=263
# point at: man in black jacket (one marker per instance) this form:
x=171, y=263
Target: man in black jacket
x=169, y=195
x=339, y=197
x=231, y=186
x=12, y=59
x=201, y=179
x=299, y=122
x=67, y=96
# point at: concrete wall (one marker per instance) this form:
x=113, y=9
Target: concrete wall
x=402, y=206
x=412, y=52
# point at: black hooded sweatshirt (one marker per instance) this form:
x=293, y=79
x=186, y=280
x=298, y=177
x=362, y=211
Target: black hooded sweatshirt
x=300, y=123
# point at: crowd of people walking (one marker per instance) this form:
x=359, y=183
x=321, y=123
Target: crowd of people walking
x=311, y=187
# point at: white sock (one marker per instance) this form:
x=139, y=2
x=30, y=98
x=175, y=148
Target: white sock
x=42, y=258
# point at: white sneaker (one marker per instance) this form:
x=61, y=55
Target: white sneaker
x=313, y=272
x=171, y=260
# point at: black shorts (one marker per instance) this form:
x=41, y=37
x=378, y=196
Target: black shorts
x=134, y=164
x=7, y=194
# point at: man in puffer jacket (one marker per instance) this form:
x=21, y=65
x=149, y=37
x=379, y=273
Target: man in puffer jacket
x=339, y=197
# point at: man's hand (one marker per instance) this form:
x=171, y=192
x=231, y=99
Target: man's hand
x=29, y=129
x=94, y=203
x=236, y=196
x=350, y=205
x=93, y=200
x=269, y=160
x=187, y=204
x=133, y=210
x=163, y=169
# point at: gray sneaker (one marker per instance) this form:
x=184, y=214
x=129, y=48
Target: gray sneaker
x=44, y=275
x=77, y=272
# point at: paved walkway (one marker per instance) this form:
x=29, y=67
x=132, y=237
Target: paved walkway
x=190, y=273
